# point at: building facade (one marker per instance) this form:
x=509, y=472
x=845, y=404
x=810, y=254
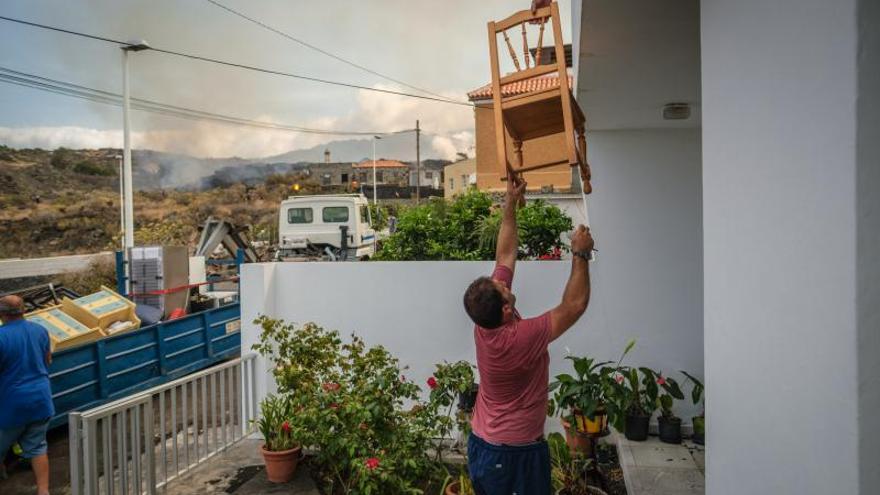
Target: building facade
x=459, y=176
x=489, y=171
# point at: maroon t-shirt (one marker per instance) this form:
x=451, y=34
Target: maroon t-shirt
x=514, y=368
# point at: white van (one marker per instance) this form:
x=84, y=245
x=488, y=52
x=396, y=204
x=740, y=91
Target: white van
x=312, y=227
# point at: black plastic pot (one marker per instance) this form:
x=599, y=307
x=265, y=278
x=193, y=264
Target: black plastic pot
x=699, y=430
x=670, y=429
x=467, y=400
x=636, y=427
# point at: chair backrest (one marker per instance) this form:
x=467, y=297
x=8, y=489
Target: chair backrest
x=521, y=23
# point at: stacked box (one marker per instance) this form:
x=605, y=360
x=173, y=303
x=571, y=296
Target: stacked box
x=104, y=309
x=64, y=330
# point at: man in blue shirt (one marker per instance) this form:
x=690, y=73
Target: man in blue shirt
x=25, y=355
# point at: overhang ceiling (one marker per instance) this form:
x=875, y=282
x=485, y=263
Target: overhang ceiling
x=635, y=56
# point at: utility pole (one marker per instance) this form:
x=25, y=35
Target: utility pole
x=418, y=166
x=121, y=203
x=374, y=168
x=128, y=192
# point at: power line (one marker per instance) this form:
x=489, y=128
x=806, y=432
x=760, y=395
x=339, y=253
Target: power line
x=237, y=65
x=25, y=79
x=322, y=51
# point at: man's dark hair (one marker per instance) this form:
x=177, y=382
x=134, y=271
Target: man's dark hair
x=483, y=303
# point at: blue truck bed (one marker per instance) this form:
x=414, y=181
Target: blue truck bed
x=91, y=374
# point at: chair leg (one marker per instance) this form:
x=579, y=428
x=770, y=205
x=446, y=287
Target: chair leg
x=518, y=152
x=584, y=166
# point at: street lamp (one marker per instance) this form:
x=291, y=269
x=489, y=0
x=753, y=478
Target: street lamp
x=375, y=138
x=128, y=209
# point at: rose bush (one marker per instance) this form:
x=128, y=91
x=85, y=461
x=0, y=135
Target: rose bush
x=365, y=422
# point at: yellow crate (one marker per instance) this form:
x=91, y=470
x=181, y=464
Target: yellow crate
x=102, y=310
x=64, y=331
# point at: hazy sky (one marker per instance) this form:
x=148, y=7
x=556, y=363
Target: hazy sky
x=440, y=45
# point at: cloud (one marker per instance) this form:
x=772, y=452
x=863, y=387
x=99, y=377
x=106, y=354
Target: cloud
x=449, y=147
x=451, y=126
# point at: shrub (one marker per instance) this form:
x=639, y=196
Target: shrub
x=348, y=401
x=466, y=229
x=86, y=167
x=61, y=158
x=99, y=272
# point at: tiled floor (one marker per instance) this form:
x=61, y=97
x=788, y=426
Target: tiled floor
x=656, y=468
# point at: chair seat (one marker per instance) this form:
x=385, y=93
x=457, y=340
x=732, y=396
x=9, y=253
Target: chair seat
x=538, y=114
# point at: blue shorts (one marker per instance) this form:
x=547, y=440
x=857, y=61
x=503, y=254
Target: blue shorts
x=31, y=437
x=509, y=470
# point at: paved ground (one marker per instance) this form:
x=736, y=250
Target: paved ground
x=21, y=478
x=656, y=468
x=240, y=471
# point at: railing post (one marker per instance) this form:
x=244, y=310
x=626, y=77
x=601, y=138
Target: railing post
x=74, y=425
x=148, y=446
x=90, y=453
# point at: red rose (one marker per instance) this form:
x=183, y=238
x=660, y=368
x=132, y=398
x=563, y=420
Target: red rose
x=432, y=382
x=661, y=380
x=372, y=463
x=330, y=387
x=334, y=406
x=285, y=427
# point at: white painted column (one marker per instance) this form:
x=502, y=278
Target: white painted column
x=782, y=215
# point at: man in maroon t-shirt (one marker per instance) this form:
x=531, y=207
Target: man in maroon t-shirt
x=507, y=454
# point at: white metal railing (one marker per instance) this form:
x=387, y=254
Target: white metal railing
x=140, y=443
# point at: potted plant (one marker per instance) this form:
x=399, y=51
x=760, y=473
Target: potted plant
x=569, y=470
x=631, y=395
x=451, y=381
x=699, y=421
x=461, y=485
x=281, y=452
x=583, y=398
x=669, y=424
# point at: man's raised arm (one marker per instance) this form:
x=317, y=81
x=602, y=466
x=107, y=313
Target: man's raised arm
x=508, y=239
x=577, y=290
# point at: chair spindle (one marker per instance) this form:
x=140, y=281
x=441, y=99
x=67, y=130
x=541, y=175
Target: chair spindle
x=512, y=52
x=540, y=49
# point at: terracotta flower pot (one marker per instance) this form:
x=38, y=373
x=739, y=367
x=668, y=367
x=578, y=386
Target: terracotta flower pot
x=577, y=442
x=280, y=466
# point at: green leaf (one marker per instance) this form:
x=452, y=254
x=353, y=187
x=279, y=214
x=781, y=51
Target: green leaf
x=672, y=388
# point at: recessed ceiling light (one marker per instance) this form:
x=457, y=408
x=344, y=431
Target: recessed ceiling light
x=676, y=111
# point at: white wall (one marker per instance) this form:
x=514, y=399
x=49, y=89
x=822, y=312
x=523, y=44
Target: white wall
x=645, y=214
x=779, y=196
x=415, y=310
x=647, y=282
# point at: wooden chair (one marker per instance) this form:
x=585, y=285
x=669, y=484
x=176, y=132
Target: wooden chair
x=538, y=113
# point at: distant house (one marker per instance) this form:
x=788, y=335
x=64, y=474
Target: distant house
x=459, y=176
x=489, y=170
x=391, y=172
x=332, y=174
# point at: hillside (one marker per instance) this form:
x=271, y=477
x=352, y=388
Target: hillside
x=67, y=201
